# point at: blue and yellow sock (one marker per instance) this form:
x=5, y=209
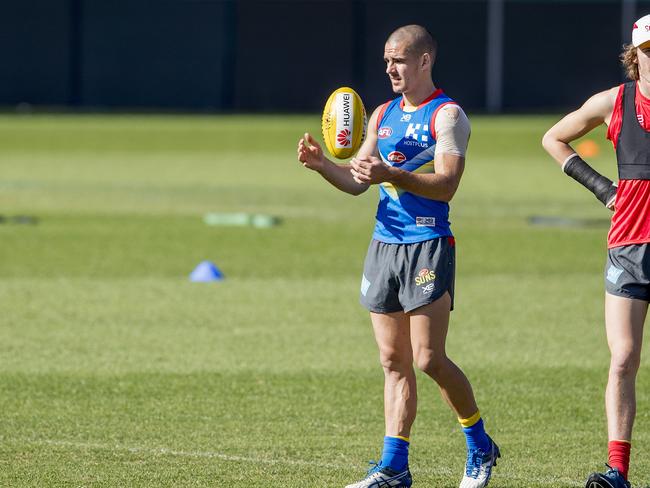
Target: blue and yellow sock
x=396, y=453
x=474, y=431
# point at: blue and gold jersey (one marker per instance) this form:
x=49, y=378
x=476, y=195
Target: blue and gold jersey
x=407, y=140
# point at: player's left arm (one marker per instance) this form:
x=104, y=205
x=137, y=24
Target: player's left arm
x=367, y=151
x=595, y=111
x=452, y=136
x=369, y=146
x=310, y=154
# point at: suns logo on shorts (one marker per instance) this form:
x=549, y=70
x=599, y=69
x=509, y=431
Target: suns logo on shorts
x=344, y=137
x=424, y=276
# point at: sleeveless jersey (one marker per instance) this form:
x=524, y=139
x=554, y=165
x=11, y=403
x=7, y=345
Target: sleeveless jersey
x=406, y=140
x=642, y=106
x=628, y=132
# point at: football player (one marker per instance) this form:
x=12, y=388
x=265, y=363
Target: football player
x=415, y=154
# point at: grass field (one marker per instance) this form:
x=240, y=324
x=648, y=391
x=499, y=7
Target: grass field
x=115, y=370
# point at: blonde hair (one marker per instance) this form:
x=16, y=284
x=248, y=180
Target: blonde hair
x=630, y=61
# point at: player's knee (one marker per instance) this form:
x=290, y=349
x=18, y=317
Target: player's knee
x=430, y=363
x=392, y=361
x=624, y=363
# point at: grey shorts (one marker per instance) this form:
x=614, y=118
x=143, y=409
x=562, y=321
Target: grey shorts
x=403, y=277
x=627, y=272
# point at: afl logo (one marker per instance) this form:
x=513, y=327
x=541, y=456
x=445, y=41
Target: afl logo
x=396, y=157
x=384, y=132
x=344, y=138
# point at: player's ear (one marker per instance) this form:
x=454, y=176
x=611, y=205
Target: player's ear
x=426, y=62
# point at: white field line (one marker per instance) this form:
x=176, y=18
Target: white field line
x=523, y=481
x=162, y=451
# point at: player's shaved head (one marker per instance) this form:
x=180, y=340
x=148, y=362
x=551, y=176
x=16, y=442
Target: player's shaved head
x=418, y=39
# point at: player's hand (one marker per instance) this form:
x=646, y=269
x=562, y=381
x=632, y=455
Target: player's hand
x=370, y=170
x=310, y=154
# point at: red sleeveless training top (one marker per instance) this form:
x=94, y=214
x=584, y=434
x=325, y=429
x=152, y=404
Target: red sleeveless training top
x=629, y=131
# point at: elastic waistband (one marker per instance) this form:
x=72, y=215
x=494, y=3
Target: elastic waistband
x=450, y=240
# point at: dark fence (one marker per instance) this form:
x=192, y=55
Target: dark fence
x=282, y=55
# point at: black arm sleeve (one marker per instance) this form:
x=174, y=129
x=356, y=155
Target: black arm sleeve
x=591, y=179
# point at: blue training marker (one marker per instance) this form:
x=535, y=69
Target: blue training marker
x=206, y=271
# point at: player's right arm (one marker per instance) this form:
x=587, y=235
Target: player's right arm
x=311, y=155
x=595, y=111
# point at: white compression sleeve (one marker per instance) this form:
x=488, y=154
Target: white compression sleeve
x=452, y=131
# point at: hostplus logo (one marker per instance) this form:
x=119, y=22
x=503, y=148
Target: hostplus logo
x=413, y=132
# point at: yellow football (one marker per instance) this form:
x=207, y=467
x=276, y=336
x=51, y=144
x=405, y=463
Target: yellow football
x=344, y=123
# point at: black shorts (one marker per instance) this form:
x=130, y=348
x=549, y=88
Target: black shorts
x=627, y=272
x=403, y=277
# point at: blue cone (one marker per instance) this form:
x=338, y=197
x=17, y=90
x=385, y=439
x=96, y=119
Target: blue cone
x=206, y=271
